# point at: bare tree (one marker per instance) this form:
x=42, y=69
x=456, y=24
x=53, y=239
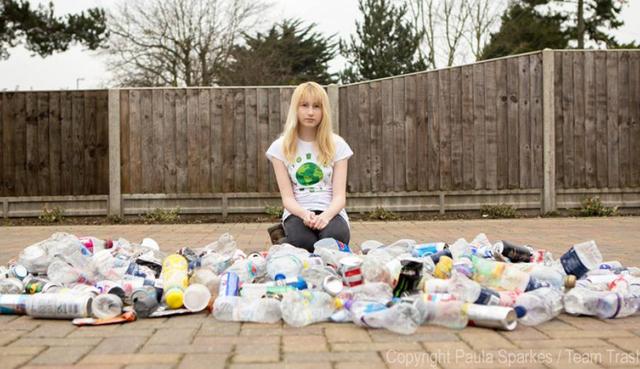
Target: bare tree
x=176, y=42
x=483, y=16
x=424, y=19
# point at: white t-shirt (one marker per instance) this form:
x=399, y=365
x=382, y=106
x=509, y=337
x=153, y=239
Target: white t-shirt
x=312, y=182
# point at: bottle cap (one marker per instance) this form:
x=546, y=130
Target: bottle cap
x=520, y=311
x=174, y=298
x=570, y=281
x=279, y=276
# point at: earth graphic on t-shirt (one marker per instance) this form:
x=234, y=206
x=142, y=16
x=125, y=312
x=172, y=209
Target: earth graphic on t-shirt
x=309, y=174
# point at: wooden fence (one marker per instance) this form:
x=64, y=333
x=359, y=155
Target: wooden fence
x=505, y=130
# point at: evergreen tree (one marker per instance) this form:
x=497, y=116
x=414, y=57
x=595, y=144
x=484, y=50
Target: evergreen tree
x=523, y=30
x=287, y=54
x=386, y=44
x=43, y=33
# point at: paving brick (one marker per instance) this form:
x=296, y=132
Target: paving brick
x=26, y=350
x=172, y=335
x=386, y=336
x=131, y=359
x=61, y=355
x=360, y=366
x=375, y=346
x=590, y=334
x=347, y=334
x=631, y=344
x=52, y=329
x=569, y=358
x=188, y=321
x=71, y=366
x=187, y=349
x=304, y=344
x=309, y=357
x=484, y=339
x=557, y=343
x=524, y=333
x=311, y=330
x=119, y=345
x=235, y=340
x=203, y=361
x=608, y=356
x=14, y=361
x=56, y=342
x=104, y=331
x=283, y=365
x=149, y=366
x=229, y=329
x=24, y=323
x=10, y=336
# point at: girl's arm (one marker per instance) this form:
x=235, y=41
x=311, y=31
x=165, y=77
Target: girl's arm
x=339, y=199
x=286, y=192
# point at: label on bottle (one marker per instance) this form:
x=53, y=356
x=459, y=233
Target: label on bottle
x=488, y=297
x=572, y=264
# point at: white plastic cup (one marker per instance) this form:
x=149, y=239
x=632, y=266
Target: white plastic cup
x=196, y=297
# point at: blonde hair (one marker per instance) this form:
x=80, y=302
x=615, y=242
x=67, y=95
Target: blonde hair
x=313, y=92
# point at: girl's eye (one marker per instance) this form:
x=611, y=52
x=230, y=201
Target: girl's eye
x=316, y=106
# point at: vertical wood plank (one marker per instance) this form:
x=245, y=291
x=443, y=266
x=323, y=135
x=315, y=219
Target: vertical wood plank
x=252, y=146
x=157, y=149
x=276, y=124
x=263, y=164
x=193, y=130
x=31, y=149
x=217, y=142
x=491, y=151
x=239, y=150
x=387, y=135
x=578, y=123
x=146, y=140
x=456, y=129
x=411, y=143
x=467, y=128
x=524, y=122
x=182, y=176
x=3, y=179
x=44, y=177
x=375, y=137
x=400, y=149
x=601, y=119
x=422, y=134
x=8, y=139
x=513, y=118
x=102, y=146
x=634, y=129
x=549, y=195
x=204, y=141
x=78, y=167
x=535, y=71
x=169, y=122
x=479, y=137
x=125, y=142
x=89, y=126
x=568, y=115
x=433, y=131
x=227, y=141
x=20, y=144
x=613, y=140
x=352, y=122
x=444, y=112
x=55, y=149
x=66, y=143
x=623, y=118
x=558, y=118
x=502, y=125
x=364, y=168
x=590, y=119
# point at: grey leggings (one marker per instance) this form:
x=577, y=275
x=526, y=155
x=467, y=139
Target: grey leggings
x=299, y=235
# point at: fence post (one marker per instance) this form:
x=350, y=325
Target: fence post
x=115, y=192
x=334, y=101
x=548, y=133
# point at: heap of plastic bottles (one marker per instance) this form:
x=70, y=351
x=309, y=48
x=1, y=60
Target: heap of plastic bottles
x=398, y=286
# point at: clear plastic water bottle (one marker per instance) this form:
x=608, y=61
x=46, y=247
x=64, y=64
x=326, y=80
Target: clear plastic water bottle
x=331, y=244
x=61, y=272
x=402, y=318
x=464, y=289
x=247, y=309
x=225, y=245
x=450, y=314
x=538, y=306
x=372, y=292
x=603, y=304
x=555, y=277
x=249, y=269
x=581, y=258
x=301, y=308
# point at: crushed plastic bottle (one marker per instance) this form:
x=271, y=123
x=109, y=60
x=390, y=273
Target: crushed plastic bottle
x=402, y=318
x=301, y=308
x=538, y=306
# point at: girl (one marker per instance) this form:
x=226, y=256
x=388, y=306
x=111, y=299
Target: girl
x=310, y=164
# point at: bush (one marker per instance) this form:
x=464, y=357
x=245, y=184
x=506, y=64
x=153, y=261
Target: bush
x=381, y=214
x=163, y=215
x=593, y=207
x=53, y=215
x=274, y=211
x=498, y=211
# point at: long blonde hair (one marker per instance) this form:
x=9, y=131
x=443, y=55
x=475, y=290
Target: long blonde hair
x=309, y=91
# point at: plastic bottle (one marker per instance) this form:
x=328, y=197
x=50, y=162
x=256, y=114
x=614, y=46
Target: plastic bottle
x=331, y=244
x=464, y=289
x=216, y=262
x=301, y=308
x=603, y=304
x=502, y=276
x=115, y=267
x=581, y=258
x=538, y=306
x=450, y=314
x=11, y=286
x=254, y=266
x=556, y=278
x=245, y=309
x=61, y=272
x=402, y=318
x=106, y=306
x=369, y=245
x=206, y=277
x=286, y=259
x=175, y=280
x=259, y=290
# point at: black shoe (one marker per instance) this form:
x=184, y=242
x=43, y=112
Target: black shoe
x=276, y=233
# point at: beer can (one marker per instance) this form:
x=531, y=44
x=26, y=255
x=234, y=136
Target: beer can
x=145, y=301
x=491, y=316
x=229, y=284
x=34, y=286
x=409, y=278
x=350, y=271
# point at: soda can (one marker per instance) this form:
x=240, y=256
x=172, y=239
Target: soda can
x=229, y=284
x=350, y=271
x=409, y=278
x=515, y=253
x=34, y=286
x=497, y=317
x=144, y=301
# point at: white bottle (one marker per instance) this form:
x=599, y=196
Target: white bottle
x=402, y=318
x=538, y=306
x=301, y=308
x=603, y=304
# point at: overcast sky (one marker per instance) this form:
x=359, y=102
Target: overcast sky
x=85, y=69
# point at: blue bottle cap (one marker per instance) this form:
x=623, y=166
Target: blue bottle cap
x=279, y=276
x=520, y=311
x=301, y=284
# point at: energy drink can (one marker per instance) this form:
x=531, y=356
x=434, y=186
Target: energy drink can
x=515, y=253
x=498, y=317
x=409, y=278
x=229, y=284
x=351, y=271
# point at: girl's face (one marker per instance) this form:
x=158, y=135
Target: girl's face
x=309, y=113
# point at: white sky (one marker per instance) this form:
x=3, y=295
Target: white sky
x=84, y=68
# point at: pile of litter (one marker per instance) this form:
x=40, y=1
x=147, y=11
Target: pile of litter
x=398, y=286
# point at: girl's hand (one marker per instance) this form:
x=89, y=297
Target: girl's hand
x=309, y=219
x=320, y=221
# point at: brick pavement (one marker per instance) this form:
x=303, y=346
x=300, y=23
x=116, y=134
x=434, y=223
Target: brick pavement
x=199, y=341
